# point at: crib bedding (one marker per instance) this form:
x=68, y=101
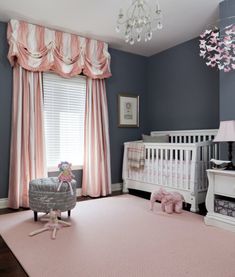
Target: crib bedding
x=171, y=171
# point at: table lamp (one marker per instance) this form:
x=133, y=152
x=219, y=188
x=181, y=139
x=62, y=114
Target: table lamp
x=226, y=133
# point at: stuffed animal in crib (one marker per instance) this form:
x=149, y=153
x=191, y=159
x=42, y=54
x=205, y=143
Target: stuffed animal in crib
x=66, y=175
x=170, y=201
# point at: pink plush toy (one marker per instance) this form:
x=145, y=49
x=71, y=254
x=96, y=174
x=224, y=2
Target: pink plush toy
x=170, y=201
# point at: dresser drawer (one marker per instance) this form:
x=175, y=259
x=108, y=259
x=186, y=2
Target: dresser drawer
x=224, y=185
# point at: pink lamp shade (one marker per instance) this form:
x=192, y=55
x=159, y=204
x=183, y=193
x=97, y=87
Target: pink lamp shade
x=226, y=131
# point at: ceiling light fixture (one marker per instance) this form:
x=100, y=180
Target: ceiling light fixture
x=140, y=21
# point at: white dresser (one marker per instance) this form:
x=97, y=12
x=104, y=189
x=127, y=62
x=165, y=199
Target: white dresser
x=221, y=184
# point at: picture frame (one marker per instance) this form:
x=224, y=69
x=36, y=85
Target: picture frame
x=128, y=110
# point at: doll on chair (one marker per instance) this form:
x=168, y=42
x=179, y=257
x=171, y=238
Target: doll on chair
x=65, y=175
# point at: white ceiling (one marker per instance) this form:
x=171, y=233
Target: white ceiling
x=183, y=19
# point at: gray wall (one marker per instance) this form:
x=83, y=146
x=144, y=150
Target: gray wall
x=5, y=111
x=227, y=80
x=129, y=75
x=183, y=93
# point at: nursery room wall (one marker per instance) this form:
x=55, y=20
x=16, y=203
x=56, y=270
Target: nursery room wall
x=227, y=80
x=5, y=111
x=129, y=75
x=183, y=93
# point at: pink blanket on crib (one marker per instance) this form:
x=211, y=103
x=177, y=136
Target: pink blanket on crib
x=136, y=156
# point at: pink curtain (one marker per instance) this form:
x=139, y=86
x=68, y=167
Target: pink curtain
x=34, y=49
x=27, y=158
x=37, y=48
x=96, y=169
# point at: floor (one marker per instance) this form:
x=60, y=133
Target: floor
x=10, y=267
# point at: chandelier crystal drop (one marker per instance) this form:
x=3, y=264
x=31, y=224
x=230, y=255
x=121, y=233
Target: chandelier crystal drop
x=139, y=21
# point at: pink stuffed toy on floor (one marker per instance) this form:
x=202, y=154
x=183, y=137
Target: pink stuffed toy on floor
x=170, y=201
x=53, y=224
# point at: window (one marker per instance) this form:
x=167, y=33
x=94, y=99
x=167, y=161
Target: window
x=64, y=109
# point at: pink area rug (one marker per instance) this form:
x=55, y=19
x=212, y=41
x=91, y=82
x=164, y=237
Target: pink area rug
x=119, y=237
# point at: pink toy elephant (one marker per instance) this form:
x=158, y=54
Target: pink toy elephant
x=170, y=201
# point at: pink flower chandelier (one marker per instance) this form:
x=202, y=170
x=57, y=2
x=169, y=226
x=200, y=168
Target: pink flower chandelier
x=219, y=50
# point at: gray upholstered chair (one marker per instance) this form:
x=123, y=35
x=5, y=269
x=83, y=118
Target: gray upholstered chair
x=43, y=196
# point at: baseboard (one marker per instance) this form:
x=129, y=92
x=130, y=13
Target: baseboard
x=3, y=203
x=115, y=187
x=79, y=192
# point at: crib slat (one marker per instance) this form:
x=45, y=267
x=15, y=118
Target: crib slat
x=187, y=168
x=166, y=164
x=148, y=169
x=209, y=149
x=176, y=168
x=157, y=162
x=198, y=169
x=161, y=171
x=148, y=162
x=171, y=168
x=181, y=184
x=193, y=170
x=152, y=164
x=202, y=167
x=148, y=154
x=206, y=165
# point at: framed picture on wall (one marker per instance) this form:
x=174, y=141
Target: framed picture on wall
x=128, y=110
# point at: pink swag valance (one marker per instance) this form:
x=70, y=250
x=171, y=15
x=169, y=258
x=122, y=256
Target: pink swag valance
x=37, y=48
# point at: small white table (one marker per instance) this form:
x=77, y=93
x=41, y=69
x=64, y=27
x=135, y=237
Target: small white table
x=221, y=183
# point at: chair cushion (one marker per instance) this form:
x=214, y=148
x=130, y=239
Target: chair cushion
x=43, y=195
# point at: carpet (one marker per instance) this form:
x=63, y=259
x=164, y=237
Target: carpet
x=120, y=237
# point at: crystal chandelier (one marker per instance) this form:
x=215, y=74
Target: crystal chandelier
x=140, y=21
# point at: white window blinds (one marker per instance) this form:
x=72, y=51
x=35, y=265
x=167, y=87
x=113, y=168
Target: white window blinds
x=64, y=109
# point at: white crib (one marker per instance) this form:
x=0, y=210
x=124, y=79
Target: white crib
x=179, y=165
